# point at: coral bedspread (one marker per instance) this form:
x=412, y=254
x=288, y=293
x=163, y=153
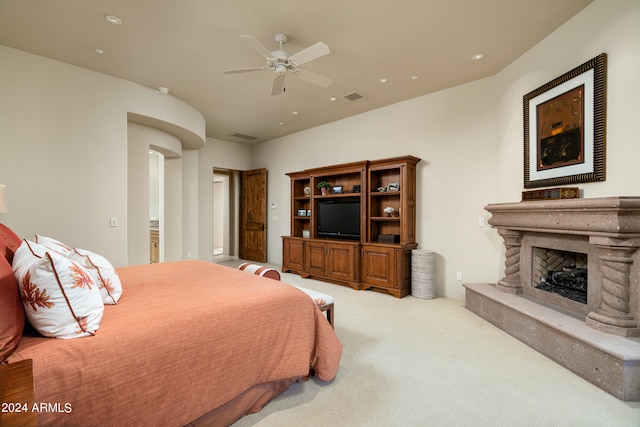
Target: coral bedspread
x=186, y=338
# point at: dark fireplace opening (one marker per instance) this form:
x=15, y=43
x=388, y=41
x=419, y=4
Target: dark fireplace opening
x=561, y=272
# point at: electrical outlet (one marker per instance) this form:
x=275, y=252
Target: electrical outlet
x=114, y=222
x=459, y=276
x=480, y=222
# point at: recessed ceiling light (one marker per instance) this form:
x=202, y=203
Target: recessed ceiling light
x=98, y=51
x=163, y=90
x=113, y=19
x=333, y=98
x=295, y=113
x=383, y=80
x=281, y=123
x=414, y=77
x=477, y=56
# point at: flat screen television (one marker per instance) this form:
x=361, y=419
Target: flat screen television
x=339, y=219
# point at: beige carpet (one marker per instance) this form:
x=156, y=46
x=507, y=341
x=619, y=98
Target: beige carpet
x=416, y=362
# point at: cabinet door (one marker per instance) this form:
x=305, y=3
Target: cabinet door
x=379, y=266
x=341, y=262
x=316, y=259
x=154, y=247
x=293, y=254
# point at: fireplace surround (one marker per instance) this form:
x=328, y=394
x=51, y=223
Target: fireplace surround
x=593, y=243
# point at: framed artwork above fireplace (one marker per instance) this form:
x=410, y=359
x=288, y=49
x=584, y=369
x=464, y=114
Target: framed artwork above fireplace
x=564, y=128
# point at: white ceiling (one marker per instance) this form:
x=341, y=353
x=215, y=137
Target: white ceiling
x=185, y=45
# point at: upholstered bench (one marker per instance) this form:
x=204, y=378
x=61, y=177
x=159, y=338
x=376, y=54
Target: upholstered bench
x=322, y=300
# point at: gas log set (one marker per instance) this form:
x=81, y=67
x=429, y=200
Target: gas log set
x=570, y=282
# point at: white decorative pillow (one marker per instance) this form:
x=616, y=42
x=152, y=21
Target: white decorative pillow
x=53, y=244
x=26, y=254
x=102, y=273
x=60, y=298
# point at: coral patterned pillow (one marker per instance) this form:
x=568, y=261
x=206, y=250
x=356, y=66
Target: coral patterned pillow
x=102, y=273
x=26, y=254
x=60, y=298
x=53, y=244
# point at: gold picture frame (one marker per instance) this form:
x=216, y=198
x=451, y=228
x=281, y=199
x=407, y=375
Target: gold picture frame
x=564, y=128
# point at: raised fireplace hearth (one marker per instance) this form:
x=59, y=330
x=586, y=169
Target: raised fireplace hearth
x=571, y=287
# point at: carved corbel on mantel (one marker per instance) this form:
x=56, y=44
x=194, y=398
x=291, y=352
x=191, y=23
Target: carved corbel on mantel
x=613, y=314
x=511, y=282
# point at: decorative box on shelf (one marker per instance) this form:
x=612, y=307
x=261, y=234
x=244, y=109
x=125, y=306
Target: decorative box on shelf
x=388, y=238
x=551, y=194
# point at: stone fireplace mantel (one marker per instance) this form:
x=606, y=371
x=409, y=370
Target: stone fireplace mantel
x=604, y=235
x=608, y=229
x=615, y=217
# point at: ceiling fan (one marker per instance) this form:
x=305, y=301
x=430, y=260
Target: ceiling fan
x=282, y=61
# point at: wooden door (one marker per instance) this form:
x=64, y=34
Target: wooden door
x=253, y=215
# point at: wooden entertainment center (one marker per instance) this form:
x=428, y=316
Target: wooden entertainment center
x=378, y=257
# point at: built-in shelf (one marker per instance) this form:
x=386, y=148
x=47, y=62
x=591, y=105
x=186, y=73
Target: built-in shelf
x=364, y=263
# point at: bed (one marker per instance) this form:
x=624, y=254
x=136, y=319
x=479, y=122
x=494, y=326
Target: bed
x=188, y=343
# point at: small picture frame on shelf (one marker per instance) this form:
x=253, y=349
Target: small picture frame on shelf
x=393, y=186
x=302, y=212
x=308, y=212
x=337, y=189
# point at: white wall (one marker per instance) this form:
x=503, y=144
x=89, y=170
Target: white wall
x=63, y=148
x=471, y=141
x=140, y=139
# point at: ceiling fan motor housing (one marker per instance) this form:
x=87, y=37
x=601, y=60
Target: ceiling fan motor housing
x=281, y=55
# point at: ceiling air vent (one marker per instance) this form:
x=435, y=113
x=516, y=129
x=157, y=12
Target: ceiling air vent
x=243, y=136
x=353, y=96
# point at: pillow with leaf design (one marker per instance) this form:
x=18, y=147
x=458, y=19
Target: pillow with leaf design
x=102, y=272
x=60, y=298
x=27, y=253
x=53, y=244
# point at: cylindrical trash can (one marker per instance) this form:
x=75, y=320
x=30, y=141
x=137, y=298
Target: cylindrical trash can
x=423, y=273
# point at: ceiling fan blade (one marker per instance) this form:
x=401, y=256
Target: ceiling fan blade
x=245, y=70
x=251, y=41
x=309, y=54
x=314, y=78
x=278, y=85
